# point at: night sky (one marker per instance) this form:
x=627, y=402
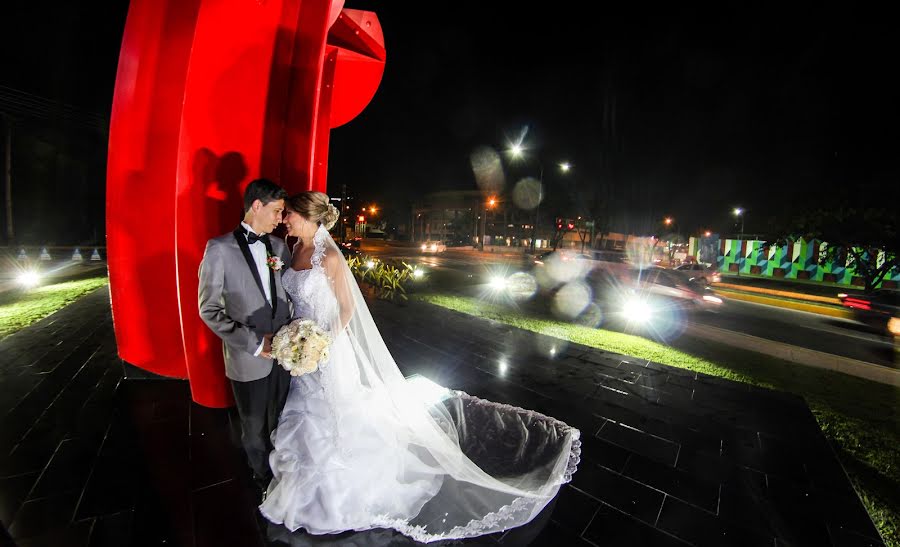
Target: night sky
x=685, y=112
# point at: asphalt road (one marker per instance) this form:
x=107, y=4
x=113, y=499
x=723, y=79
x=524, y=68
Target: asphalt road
x=827, y=334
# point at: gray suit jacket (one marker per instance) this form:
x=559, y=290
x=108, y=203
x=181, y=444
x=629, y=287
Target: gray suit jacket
x=234, y=306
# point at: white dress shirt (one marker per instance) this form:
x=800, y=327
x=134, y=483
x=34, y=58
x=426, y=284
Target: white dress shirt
x=258, y=250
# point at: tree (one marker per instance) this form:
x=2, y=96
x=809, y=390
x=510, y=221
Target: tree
x=859, y=233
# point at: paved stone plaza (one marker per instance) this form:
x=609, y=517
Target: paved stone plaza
x=669, y=457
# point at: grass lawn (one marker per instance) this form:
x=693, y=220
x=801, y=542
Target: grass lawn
x=19, y=309
x=861, y=418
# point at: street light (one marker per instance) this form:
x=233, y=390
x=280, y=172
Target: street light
x=491, y=201
x=738, y=212
x=516, y=150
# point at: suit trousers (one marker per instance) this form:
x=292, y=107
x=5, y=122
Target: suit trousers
x=259, y=404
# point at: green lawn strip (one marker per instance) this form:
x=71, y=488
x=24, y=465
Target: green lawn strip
x=860, y=417
x=19, y=309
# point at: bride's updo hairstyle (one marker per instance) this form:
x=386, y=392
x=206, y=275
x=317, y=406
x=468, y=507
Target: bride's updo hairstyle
x=316, y=207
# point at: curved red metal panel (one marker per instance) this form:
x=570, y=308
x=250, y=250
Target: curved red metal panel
x=140, y=200
x=211, y=94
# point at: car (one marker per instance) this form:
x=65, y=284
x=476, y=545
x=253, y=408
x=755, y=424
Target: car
x=876, y=309
x=674, y=289
x=457, y=243
x=702, y=273
x=433, y=247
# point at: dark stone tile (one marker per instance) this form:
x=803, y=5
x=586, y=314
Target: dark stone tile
x=620, y=492
x=36, y=517
x=164, y=517
x=111, y=488
x=226, y=514
x=76, y=534
x=92, y=421
x=574, y=509
x=68, y=469
x=279, y=536
x=604, y=453
x=841, y=537
x=673, y=482
x=613, y=527
x=708, y=467
x=207, y=420
x=798, y=517
x=28, y=457
x=555, y=534
x=703, y=529
x=654, y=448
x=214, y=458
x=112, y=530
x=13, y=491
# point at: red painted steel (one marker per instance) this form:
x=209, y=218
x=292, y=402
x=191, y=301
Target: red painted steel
x=211, y=94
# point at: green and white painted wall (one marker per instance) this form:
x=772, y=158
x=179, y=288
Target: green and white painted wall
x=799, y=260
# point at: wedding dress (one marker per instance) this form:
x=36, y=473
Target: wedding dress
x=358, y=446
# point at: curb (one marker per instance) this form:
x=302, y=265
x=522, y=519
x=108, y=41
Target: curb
x=821, y=309
x=798, y=355
x=784, y=294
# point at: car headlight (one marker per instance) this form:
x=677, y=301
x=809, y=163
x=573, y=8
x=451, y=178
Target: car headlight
x=637, y=310
x=424, y=247
x=497, y=283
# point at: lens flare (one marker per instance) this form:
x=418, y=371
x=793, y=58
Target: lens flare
x=527, y=194
x=521, y=285
x=565, y=267
x=488, y=169
x=571, y=299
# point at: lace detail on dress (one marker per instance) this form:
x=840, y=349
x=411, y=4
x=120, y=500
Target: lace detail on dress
x=564, y=428
x=319, y=247
x=507, y=516
x=502, y=519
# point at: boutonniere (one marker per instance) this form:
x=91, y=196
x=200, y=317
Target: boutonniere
x=274, y=262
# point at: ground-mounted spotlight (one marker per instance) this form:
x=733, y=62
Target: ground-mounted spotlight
x=28, y=279
x=370, y=264
x=417, y=274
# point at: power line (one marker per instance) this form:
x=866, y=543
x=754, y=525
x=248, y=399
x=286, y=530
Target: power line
x=21, y=104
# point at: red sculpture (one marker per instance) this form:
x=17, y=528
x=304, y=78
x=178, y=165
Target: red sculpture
x=209, y=95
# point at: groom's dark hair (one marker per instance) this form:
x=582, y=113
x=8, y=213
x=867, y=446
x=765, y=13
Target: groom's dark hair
x=263, y=190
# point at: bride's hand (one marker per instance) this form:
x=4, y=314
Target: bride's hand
x=266, y=352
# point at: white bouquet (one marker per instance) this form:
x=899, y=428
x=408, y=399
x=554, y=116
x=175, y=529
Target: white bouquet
x=300, y=346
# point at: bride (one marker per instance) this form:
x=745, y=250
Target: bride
x=358, y=446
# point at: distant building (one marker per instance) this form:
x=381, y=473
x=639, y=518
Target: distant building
x=456, y=217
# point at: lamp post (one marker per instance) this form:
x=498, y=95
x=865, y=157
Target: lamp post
x=739, y=212
x=490, y=202
x=517, y=151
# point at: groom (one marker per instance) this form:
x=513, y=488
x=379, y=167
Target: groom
x=243, y=302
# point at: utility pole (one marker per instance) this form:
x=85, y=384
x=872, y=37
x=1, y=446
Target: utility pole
x=7, y=175
x=344, y=211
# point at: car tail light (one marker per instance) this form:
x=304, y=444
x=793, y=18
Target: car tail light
x=857, y=303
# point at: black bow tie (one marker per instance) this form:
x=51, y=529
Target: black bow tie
x=253, y=238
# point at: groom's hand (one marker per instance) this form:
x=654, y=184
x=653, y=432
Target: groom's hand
x=267, y=346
